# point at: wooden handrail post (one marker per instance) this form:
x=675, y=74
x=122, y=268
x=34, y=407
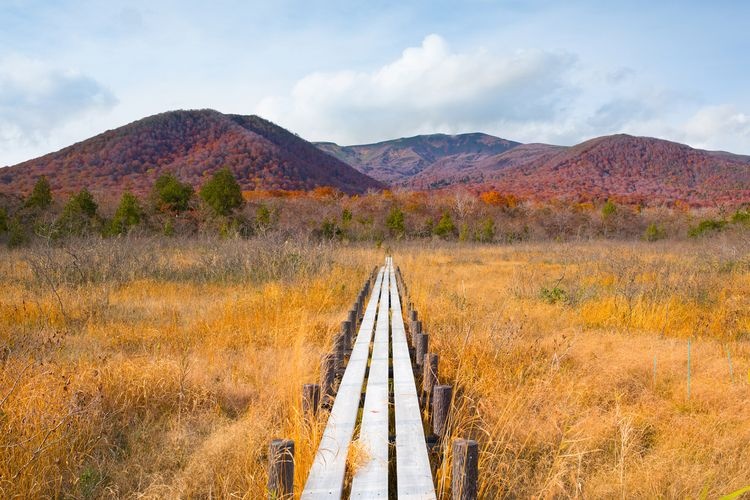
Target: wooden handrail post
x=423, y=343
x=310, y=400
x=281, y=469
x=429, y=377
x=465, y=469
x=346, y=331
x=441, y=406
x=328, y=377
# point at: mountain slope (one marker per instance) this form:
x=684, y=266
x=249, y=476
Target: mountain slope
x=193, y=145
x=627, y=167
x=395, y=162
x=622, y=166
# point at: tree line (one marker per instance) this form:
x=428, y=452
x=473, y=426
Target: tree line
x=221, y=208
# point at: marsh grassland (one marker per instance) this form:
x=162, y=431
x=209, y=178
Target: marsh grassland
x=157, y=368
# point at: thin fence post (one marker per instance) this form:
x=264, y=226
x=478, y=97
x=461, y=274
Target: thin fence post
x=328, y=376
x=310, y=400
x=422, y=348
x=281, y=469
x=441, y=405
x=465, y=469
x=346, y=331
x=339, y=352
x=353, y=317
x=429, y=377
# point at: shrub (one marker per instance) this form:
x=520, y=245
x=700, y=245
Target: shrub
x=741, y=217
x=346, y=215
x=330, y=230
x=654, y=232
x=3, y=220
x=609, y=209
x=41, y=195
x=487, y=231
x=395, y=222
x=706, y=226
x=171, y=194
x=553, y=295
x=16, y=234
x=222, y=192
x=263, y=219
x=445, y=227
x=128, y=214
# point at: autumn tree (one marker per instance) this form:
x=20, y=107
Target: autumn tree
x=222, y=192
x=41, y=195
x=171, y=194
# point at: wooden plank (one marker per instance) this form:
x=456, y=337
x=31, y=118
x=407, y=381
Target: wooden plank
x=371, y=479
x=413, y=475
x=326, y=477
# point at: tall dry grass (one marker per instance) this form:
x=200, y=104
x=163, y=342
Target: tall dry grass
x=162, y=368
x=552, y=350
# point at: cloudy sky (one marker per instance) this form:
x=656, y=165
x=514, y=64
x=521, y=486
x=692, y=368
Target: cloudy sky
x=362, y=71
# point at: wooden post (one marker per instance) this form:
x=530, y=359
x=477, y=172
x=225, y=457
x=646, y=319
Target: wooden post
x=338, y=350
x=465, y=469
x=413, y=315
x=346, y=332
x=328, y=376
x=310, y=400
x=441, y=406
x=281, y=469
x=423, y=341
x=353, y=317
x=429, y=377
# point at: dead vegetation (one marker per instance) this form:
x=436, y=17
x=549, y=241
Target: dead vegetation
x=156, y=368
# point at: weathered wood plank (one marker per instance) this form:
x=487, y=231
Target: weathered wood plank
x=326, y=477
x=413, y=474
x=371, y=479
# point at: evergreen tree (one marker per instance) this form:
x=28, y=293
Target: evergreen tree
x=445, y=227
x=171, y=194
x=41, y=195
x=222, y=192
x=79, y=214
x=395, y=222
x=129, y=213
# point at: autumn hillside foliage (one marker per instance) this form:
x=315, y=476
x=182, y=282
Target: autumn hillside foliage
x=221, y=208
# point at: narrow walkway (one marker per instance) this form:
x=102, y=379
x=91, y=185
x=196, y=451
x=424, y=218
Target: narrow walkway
x=383, y=317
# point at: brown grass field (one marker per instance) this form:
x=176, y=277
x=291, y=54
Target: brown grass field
x=157, y=368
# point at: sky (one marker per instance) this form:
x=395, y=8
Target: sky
x=354, y=72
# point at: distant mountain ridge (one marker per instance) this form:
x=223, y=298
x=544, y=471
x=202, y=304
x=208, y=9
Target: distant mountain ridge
x=191, y=144
x=261, y=155
x=637, y=169
x=394, y=162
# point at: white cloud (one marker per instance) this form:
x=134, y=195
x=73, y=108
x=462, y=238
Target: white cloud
x=723, y=125
x=428, y=88
x=37, y=101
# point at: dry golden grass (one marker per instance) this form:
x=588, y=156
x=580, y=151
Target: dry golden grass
x=155, y=369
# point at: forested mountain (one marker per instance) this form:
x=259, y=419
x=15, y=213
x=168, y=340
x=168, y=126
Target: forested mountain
x=192, y=145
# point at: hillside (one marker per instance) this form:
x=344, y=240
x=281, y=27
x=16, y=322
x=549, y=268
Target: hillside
x=395, y=162
x=626, y=167
x=191, y=144
x=623, y=166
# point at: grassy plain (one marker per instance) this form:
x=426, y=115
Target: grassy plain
x=159, y=368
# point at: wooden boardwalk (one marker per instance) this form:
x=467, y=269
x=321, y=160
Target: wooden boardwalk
x=413, y=480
